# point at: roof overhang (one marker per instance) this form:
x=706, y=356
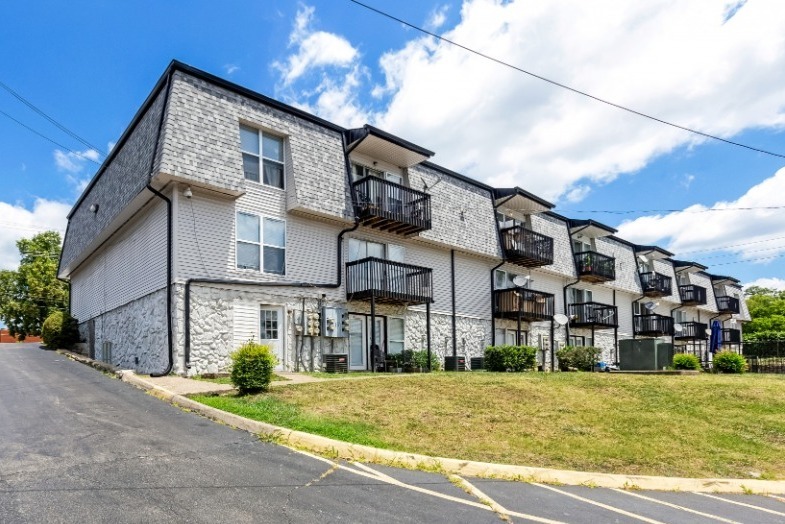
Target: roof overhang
x=381, y=145
x=652, y=252
x=520, y=200
x=684, y=266
x=722, y=280
x=589, y=229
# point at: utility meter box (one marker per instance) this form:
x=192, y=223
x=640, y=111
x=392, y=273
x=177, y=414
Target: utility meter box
x=335, y=322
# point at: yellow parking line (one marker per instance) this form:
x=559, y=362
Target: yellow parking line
x=599, y=504
x=744, y=504
x=676, y=506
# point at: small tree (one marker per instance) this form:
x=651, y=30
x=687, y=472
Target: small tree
x=252, y=367
x=59, y=331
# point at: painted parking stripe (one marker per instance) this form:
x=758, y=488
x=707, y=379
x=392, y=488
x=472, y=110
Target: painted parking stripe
x=744, y=504
x=377, y=475
x=500, y=510
x=775, y=497
x=598, y=504
x=676, y=506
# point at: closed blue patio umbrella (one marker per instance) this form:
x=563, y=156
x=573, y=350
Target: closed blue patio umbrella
x=715, y=341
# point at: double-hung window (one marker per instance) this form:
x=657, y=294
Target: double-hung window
x=579, y=296
x=262, y=157
x=395, y=335
x=261, y=243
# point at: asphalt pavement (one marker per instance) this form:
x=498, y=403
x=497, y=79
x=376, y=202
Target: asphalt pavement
x=78, y=445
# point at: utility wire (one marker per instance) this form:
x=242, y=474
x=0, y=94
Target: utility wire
x=564, y=86
x=632, y=211
x=772, y=257
x=58, y=144
x=720, y=248
x=54, y=122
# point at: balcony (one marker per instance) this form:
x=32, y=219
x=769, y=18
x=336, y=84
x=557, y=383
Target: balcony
x=526, y=304
x=728, y=305
x=595, y=267
x=652, y=325
x=731, y=336
x=526, y=248
x=655, y=284
x=692, y=295
x=388, y=282
x=692, y=331
x=594, y=315
x=391, y=207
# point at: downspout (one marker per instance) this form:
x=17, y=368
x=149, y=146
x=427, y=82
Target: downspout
x=169, y=239
x=454, y=318
x=616, y=331
x=323, y=285
x=497, y=266
x=564, y=289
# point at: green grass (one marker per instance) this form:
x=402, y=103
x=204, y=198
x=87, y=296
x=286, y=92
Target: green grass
x=353, y=374
x=697, y=426
x=228, y=380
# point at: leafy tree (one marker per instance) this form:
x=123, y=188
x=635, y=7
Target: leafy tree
x=29, y=294
x=767, y=310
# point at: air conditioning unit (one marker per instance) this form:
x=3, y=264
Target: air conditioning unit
x=455, y=363
x=336, y=363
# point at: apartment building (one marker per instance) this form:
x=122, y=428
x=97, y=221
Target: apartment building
x=223, y=215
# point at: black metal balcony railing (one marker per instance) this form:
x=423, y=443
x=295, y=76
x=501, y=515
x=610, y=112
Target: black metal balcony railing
x=731, y=336
x=655, y=284
x=387, y=281
x=692, y=295
x=593, y=314
x=728, y=304
x=652, y=325
x=595, y=267
x=388, y=206
x=526, y=248
x=691, y=331
x=526, y=304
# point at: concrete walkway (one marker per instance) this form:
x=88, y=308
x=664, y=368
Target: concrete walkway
x=189, y=386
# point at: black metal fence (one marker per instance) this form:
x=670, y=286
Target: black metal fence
x=527, y=248
x=765, y=356
x=692, y=295
x=526, y=304
x=593, y=314
x=655, y=284
x=595, y=267
x=728, y=304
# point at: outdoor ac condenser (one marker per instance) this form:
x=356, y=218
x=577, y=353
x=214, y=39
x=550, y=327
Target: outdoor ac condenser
x=644, y=354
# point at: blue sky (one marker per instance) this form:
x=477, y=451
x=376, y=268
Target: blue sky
x=715, y=66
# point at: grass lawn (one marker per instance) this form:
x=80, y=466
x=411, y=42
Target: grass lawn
x=696, y=426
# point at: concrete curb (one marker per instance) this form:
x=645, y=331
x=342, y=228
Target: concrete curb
x=344, y=450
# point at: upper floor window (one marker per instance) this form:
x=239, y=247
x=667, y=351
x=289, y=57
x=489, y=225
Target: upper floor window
x=359, y=249
x=261, y=243
x=579, y=296
x=262, y=157
x=580, y=246
x=506, y=221
x=680, y=316
x=359, y=171
x=683, y=279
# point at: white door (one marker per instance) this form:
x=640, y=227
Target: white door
x=357, y=343
x=271, y=331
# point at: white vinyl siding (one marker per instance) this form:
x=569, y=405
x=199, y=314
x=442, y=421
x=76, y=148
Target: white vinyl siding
x=246, y=323
x=130, y=265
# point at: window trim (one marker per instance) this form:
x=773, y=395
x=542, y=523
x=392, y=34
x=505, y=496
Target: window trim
x=260, y=133
x=237, y=241
x=261, y=244
x=388, y=337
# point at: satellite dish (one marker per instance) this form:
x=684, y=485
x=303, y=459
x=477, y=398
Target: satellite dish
x=678, y=328
x=643, y=258
x=708, y=331
x=651, y=306
x=521, y=281
x=560, y=319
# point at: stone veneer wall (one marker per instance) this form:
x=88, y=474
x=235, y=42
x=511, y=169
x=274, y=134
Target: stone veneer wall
x=137, y=333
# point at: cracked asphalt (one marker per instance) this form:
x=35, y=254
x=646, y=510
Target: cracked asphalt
x=77, y=445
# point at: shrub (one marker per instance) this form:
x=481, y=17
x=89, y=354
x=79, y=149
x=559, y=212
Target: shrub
x=729, y=362
x=416, y=359
x=59, y=331
x=510, y=358
x=685, y=361
x=581, y=358
x=252, y=367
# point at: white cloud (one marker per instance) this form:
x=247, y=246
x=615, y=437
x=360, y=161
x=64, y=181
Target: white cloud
x=687, y=180
x=755, y=234
x=676, y=61
x=577, y=193
x=17, y=221
x=437, y=17
x=314, y=49
x=231, y=69
x=770, y=283
x=74, y=161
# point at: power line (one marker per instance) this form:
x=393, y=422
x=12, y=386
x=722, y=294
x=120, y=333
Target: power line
x=720, y=248
x=564, y=86
x=58, y=144
x=749, y=251
x=772, y=257
x=49, y=118
x=632, y=211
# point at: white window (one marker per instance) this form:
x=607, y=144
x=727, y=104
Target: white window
x=261, y=243
x=580, y=246
x=269, y=324
x=680, y=316
x=636, y=308
x=395, y=336
x=359, y=249
x=262, y=154
x=506, y=220
x=508, y=337
x=360, y=171
x=503, y=279
x=579, y=341
x=579, y=296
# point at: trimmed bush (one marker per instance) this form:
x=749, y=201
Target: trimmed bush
x=685, y=361
x=510, y=358
x=252, y=367
x=59, y=331
x=416, y=359
x=581, y=358
x=729, y=362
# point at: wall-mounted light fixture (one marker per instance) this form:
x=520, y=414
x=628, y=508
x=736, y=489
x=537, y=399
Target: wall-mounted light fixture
x=94, y=208
x=188, y=193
